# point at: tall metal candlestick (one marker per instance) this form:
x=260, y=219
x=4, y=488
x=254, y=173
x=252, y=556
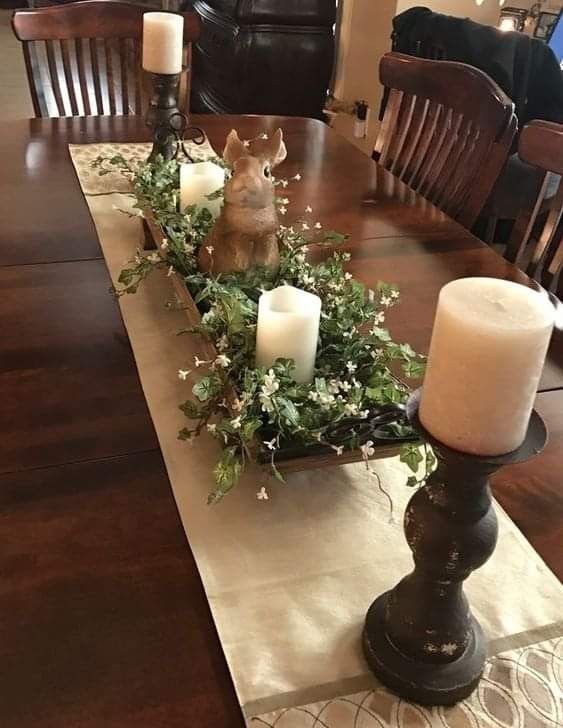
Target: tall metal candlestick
x=163, y=106
x=420, y=638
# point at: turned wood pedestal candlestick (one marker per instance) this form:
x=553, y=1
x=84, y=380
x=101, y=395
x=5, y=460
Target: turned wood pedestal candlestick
x=420, y=638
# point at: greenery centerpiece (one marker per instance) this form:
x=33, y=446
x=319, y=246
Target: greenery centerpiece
x=357, y=365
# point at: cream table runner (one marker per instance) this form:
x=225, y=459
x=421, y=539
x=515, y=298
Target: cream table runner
x=289, y=579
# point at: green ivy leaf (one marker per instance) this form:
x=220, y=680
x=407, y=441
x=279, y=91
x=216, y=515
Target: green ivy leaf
x=411, y=456
x=227, y=473
x=206, y=388
x=288, y=411
x=414, y=369
x=190, y=409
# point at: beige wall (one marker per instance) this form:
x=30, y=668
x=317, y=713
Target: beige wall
x=364, y=37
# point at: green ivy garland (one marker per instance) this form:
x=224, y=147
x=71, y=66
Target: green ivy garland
x=355, y=359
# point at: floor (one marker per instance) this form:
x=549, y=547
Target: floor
x=15, y=102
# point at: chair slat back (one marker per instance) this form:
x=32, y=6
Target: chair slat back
x=84, y=58
x=536, y=245
x=446, y=131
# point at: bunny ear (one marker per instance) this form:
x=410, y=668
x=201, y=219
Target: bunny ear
x=234, y=148
x=276, y=150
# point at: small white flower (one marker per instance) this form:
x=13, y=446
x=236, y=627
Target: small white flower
x=300, y=257
x=395, y=294
x=201, y=362
x=346, y=257
x=338, y=449
x=307, y=280
x=284, y=201
x=209, y=249
x=246, y=142
x=350, y=409
x=356, y=383
x=334, y=386
x=345, y=386
x=282, y=210
x=326, y=400
x=368, y=449
x=223, y=343
x=284, y=183
x=297, y=177
x=164, y=244
x=386, y=301
x=236, y=423
x=351, y=367
x=183, y=374
x=263, y=135
x=379, y=318
x=212, y=428
x=262, y=494
x=154, y=258
x=222, y=361
x=170, y=271
x=270, y=444
x=308, y=209
x=208, y=316
x=305, y=227
x=266, y=402
x=188, y=248
x=271, y=384
x=318, y=226
x=313, y=396
x=348, y=276
x=364, y=414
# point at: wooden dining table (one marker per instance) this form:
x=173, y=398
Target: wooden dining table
x=103, y=618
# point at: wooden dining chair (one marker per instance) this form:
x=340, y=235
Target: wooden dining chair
x=536, y=243
x=446, y=131
x=84, y=58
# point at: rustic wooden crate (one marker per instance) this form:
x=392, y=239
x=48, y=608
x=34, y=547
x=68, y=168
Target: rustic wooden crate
x=294, y=459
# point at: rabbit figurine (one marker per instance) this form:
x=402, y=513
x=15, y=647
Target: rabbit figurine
x=245, y=233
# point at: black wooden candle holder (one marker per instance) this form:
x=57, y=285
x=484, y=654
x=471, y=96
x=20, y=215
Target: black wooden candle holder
x=420, y=638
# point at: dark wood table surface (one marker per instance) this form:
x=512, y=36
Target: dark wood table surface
x=103, y=619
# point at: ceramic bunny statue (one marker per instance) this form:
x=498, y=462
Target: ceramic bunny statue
x=244, y=234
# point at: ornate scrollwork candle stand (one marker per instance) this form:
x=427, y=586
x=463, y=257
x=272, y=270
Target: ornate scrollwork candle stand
x=420, y=638
x=169, y=126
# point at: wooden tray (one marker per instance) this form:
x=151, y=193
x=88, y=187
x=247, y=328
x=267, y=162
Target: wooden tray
x=289, y=458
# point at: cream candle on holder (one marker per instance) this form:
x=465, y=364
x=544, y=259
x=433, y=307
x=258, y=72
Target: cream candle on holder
x=163, y=35
x=288, y=328
x=488, y=348
x=197, y=181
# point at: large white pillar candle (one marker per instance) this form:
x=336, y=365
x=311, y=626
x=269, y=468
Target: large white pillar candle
x=198, y=180
x=487, y=352
x=288, y=328
x=163, y=36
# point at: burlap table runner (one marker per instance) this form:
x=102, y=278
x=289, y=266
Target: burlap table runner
x=289, y=579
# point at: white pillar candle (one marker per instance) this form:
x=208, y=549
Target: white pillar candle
x=288, y=328
x=198, y=180
x=163, y=36
x=487, y=352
